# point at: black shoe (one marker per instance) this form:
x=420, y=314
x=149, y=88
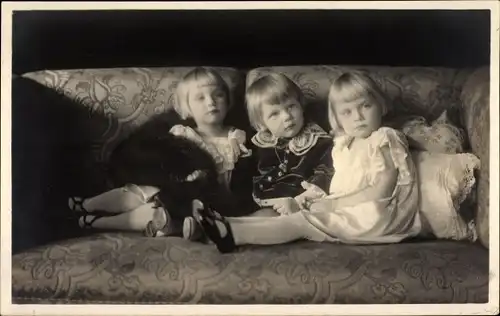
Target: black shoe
x=207, y=218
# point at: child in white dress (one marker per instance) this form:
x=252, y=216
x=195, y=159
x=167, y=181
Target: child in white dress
x=203, y=96
x=373, y=195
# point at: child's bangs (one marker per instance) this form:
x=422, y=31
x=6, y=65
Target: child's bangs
x=205, y=80
x=277, y=97
x=349, y=92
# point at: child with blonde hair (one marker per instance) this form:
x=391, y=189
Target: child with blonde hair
x=373, y=195
x=292, y=151
x=203, y=96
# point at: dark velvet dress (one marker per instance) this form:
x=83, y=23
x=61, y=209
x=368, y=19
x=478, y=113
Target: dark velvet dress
x=235, y=199
x=283, y=165
x=154, y=156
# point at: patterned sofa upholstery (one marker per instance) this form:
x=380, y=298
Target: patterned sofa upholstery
x=118, y=267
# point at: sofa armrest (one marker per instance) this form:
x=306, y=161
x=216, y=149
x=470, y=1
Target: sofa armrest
x=49, y=163
x=475, y=97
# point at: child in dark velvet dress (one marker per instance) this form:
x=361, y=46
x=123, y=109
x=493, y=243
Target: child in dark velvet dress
x=293, y=153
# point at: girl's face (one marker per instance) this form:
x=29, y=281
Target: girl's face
x=283, y=120
x=358, y=118
x=208, y=104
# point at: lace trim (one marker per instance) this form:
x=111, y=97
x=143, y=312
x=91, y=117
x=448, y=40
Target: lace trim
x=458, y=229
x=469, y=180
x=465, y=190
x=299, y=145
x=224, y=161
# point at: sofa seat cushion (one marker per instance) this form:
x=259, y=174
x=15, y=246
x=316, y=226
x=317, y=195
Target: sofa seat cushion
x=127, y=268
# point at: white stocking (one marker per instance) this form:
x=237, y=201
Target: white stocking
x=135, y=220
x=120, y=200
x=273, y=230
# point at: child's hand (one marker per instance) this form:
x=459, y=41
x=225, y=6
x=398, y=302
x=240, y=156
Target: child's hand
x=286, y=206
x=237, y=138
x=312, y=193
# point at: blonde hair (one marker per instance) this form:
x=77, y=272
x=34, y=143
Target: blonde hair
x=199, y=76
x=274, y=88
x=351, y=86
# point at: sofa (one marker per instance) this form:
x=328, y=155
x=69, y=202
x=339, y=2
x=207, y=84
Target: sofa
x=65, y=124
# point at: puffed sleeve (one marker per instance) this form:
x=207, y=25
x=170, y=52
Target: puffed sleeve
x=239, y=135
x=399, y=153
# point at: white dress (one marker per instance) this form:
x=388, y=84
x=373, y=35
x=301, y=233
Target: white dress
x=220, y=148
x=380, y=221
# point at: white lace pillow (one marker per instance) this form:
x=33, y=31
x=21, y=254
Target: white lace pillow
x=441, y=135
x=445, y=181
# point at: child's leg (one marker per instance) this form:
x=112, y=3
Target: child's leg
x=192, y=231
x=271, y=230
x=119, y=200
x=135, y=220
x=228, y=234
x=264, y=212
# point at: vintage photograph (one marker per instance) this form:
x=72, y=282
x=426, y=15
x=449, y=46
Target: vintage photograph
x=312, y=158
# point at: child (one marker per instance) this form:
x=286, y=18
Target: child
x=293, y=152
x=203, y=96
x=373, y=194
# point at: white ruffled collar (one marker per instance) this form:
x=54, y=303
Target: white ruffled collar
x=191, y=134
x=299, y=145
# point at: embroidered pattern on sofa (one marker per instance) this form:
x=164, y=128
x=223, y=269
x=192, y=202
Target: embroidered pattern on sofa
x=112, y=267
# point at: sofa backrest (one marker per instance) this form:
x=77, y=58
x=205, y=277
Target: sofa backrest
x=125, y=98
x=119, y=100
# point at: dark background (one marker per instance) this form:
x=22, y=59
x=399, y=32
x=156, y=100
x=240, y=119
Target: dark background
x=83, y=39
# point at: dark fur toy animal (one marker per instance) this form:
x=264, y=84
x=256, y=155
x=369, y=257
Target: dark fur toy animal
x=152, y=156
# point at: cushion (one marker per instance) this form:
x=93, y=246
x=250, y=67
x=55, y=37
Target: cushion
x=441, y=136
x=125, y=97
x=445, y=181
x=115, y=268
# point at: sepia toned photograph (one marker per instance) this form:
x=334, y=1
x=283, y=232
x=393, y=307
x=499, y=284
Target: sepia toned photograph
x=315, y=158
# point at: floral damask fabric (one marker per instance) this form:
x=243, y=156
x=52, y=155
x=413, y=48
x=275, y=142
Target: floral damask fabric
x=126, y=268
x=126, y=97
x=476, y=108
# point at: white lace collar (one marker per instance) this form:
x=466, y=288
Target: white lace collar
x=299, y=145
x=191, y=134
